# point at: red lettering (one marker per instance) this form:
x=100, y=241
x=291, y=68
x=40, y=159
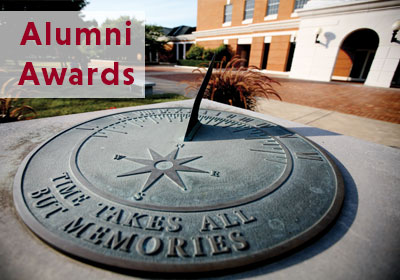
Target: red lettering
x=32, y=77
x=117, y=33
x=67, y=40
x=128, y=76
x=128, y=33
x=54, y=75
x=48, y=33
x=35, y=35
x=115, y=73
x=88, y=34
x=91, y=71
x=77, y=78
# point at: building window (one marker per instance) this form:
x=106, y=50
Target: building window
x=272, y=7
x=228, y=13
x=299, y=4
x=248, y=9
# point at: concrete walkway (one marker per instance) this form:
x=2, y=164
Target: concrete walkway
x=348, y=109
x=381, y=132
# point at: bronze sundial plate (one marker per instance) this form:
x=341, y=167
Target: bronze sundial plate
x=126, y=190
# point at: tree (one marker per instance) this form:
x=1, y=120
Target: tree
x=34, y=5
x=155, y=39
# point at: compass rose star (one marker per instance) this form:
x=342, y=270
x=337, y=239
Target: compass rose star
x=159, y=166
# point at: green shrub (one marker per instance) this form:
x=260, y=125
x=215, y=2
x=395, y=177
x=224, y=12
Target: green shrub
x=221, y=52
x=208, y=54
x=199, y=63
x=193, y=62
x=199, y=53
x=195, y=53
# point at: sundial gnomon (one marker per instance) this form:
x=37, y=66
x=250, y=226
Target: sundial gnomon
x=130, y=190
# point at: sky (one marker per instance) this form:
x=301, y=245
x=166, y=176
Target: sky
x=167, y=13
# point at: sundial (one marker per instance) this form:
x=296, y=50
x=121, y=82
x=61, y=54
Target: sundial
x=177, y=189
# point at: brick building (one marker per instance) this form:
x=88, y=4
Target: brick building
x=261, y=31
x=354, y=37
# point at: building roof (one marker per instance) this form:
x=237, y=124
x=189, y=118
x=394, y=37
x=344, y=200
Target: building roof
x=166, y=30
x=181, y=30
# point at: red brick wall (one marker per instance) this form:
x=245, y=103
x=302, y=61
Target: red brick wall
x=285, y=9
x=260, y=9
x=257, y=51
x=210, y=14
x=278, y=53
x=210, y=44
x=233, y=43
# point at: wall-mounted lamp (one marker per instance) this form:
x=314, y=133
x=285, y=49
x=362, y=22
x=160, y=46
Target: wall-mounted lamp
x=395, y=28
x=318, y=31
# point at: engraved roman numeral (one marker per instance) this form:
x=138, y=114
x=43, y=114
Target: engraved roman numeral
x=151, y=118
x=100, y=134
x=231, y=116
x=309, y=156
x=288, y=136
x=277, y=151
x=264, y=125
x=246, y=120
x=116, y=131
x=118, y=117
x=133, y=122
x=85, y=128
x=261, y=137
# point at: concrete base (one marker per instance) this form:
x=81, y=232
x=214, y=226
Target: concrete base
x=362, y=244
x=376, y=131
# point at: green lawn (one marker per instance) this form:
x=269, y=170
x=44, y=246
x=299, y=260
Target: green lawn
x=46, y=107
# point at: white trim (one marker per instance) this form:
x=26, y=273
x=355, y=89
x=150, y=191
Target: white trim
x=226, y=41
x=264, y=26
x=341, y=78
x=186, y=67
x=245, y=41
x=267, y=39
x=183, y=43
x=247, y=21
x=271, y=17
x=293, y=37
x=228, y=2
x=294, y=14
x=347, y=7
x=185, y=37
x=347, y=79
x=273, y=72
x=228, y=23
x=265, y=34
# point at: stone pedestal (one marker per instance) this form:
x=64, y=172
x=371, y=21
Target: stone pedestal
x=362, y=244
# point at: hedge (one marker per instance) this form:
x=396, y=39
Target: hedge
x=197, y=63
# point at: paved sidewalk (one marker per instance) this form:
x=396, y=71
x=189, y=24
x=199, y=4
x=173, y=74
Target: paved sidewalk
x=349, y=98
x=376, y=131
x=368, y=113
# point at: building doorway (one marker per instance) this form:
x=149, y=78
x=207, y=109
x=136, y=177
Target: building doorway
x=396, y=78
x=244, y=53
x=265, y=56
x=290, y=57
x=356, y=55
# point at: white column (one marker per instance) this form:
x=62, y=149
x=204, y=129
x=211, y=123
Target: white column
x=184, y=50
x=177, y=51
